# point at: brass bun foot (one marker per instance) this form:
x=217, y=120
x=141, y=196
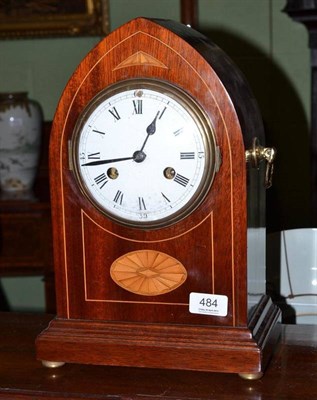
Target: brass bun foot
x=252, y=377
x=52, y=364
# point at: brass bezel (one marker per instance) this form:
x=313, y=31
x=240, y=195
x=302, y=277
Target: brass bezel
x=201, y=120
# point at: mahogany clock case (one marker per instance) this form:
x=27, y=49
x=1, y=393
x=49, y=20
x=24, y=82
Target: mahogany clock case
x=100, y=322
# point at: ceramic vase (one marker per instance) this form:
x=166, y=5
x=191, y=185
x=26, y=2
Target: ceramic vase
x=20, y=137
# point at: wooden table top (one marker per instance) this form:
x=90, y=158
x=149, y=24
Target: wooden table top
x=292, y=373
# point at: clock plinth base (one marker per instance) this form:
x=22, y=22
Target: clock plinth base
x=242, y=350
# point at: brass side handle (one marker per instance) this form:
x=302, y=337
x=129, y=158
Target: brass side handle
x=257, y=154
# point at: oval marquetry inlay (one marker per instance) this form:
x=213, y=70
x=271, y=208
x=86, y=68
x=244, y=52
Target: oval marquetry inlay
x=148, y=272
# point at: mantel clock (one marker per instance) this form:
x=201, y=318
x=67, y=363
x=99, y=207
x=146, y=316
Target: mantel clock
x=157, y=206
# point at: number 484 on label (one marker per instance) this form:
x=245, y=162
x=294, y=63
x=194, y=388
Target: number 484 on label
x=208, y=304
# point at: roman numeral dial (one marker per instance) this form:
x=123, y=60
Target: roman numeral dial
x=143, y=154
x=137, y=106
x=114, y=112
x=101, y=180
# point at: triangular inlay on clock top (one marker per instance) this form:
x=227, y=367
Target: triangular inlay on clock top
x=141, y=58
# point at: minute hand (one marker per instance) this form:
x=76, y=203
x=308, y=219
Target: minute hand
x=100, y=162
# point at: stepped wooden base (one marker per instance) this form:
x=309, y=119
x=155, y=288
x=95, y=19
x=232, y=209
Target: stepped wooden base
x=243, y=350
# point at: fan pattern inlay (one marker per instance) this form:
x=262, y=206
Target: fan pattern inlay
x=148, y=272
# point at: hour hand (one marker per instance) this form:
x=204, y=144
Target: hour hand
x=152, y=127
x=101, y=162
x=150, y=130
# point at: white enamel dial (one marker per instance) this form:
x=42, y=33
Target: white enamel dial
x=144, y=154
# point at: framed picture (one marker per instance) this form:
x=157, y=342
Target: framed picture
x=49, y=18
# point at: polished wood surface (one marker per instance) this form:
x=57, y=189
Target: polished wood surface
x=291, y=375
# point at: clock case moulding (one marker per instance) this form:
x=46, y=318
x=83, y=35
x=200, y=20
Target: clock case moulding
x=221, y=243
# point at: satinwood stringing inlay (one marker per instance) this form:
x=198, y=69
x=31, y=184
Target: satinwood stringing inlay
x=148, y=272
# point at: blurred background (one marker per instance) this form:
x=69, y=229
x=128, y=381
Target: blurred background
x=269, y=47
